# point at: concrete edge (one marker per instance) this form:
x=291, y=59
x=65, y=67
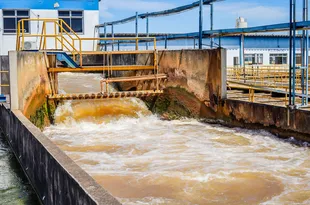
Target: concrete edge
x=84, y=180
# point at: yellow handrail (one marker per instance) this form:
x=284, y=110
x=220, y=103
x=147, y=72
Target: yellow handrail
x=66, y=37
x=71, y=30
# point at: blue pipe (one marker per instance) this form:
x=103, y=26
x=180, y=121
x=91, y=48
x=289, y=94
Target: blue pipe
x=200, y=23
x=137, y=34
x=294, y=54
x=147, y=31
x=161, y=13
x=303, y=55
x=211, y=23
x=241, y=50
x=291, y=47
x=232, y=32
x=307, y=54
x=105, y=35
x=305, y=50
x=112, y=31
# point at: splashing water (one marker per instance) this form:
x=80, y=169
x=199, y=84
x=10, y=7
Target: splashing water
x=141, y=159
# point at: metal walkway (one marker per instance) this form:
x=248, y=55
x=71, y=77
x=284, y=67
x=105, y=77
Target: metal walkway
x=124, y=94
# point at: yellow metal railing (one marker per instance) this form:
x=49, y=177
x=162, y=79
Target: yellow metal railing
x=263, y=76
x=4, y=85
x=66, y=39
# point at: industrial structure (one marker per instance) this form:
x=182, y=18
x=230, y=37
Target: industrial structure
x=259, y=49
x=74, y=14
x=51, y=37
x=74, y=37
x=275, y=56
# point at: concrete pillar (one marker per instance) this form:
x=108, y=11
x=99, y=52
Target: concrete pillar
x=224, y=73
x=13, y=80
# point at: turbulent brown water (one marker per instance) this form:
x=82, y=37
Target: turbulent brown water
x=141, y=159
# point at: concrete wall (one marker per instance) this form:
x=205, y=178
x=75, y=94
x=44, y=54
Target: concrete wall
x=279, y=120
x=29, y=81
x=199, y=72
x=54, y=176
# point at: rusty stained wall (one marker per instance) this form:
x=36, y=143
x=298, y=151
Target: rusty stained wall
x=29, y=80
x=278, y=120
x=199, y=72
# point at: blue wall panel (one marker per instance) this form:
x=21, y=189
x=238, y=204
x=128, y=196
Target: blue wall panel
x=49, y=4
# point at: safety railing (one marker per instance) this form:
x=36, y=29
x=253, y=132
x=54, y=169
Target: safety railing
x=276, y=77
x=2, y=85
x=64, y=38
x=56, y=35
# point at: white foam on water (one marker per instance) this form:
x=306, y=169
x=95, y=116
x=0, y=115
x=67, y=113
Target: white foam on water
x=139, y=145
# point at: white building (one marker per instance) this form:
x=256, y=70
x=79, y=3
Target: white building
x=82, y=16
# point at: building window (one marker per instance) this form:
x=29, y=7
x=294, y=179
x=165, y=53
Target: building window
x=280, y=58
x=74, y=19
x=298, y=59
x=236, y=61
x=11, y=18
x=253, y=59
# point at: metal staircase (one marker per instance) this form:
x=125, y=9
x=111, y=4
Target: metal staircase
x=65, y=59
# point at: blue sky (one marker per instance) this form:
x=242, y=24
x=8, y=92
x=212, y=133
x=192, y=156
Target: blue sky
x=257, y=12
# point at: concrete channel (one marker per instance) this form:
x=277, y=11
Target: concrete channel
x=196, y=80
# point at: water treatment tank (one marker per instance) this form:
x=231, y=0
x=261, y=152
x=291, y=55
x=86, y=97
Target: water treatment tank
x=241, y=23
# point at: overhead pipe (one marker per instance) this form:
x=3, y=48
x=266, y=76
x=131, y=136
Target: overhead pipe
x=161, y=13
x=232, y=32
